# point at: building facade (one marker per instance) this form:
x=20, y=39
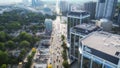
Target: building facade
x=74, y=18
x=90, y=7
x=105, y=9
x=78, y=32
x=36, y=3
x=63, y=4
x=99, y=50
x=25, y=2
x=118, y=18
x=48, y=26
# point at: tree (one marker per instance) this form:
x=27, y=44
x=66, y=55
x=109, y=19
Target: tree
x=10, y=44
x=33, y=51
x=23, y=51
x=25, y=36
x=22, y=55
x=35, y=39
x=65, y=64
x=64, y=45
x=13, y=25
x=29, y=59
x=64, y=55
x=2, y=28
x=24, y=44
x=2, y=46
x=3, y=57
x=4, y=66
x=62, y=37
x=2, y=36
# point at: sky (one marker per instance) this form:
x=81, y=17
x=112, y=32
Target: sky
x=14, y=1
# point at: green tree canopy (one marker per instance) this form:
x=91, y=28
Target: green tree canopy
x=64, y=45
x=2, y=28
x=2, y=36
x=25, y=36
x=62, y=37
x=10, y=44
x=65, y=64
x=2, y=46
x=3, y=57
x=4, y=66
x=24, y=44
x=13, y=25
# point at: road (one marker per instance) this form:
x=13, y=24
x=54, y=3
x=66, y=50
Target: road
x=55, y=48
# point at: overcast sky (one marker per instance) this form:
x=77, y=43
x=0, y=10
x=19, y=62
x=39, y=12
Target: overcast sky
x=14, y=1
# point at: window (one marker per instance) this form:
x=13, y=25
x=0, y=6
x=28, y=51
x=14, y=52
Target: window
x=106, y=66
x=96, y=64
x=72, y=44
x=102, y=1
x=76, y=45
x=86, y=63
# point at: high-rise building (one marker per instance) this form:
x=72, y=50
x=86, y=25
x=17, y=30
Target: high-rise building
x=105, y=9
x=77, y=33
x=33, y=3
x=25, y=2
x=91, y=8
x=99, y=50
x=36, y=3
x=118, y=19
x=63, y=4
x=48, y=26
x=69, y=7
x=76, y=17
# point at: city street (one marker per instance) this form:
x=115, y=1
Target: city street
x=55, y=48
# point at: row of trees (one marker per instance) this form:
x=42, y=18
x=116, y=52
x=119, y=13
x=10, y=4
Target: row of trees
x=29, y=58
x=64, y=53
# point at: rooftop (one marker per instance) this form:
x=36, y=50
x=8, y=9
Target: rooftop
x=78, y=13
x=85, y=28
x=106, y=42
x=40, y=65
x=48, y=20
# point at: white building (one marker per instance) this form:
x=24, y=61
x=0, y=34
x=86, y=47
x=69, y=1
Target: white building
x=105, y=9
x=48, y=26
x=100, y=50
x=78, y=32
x=105, y=24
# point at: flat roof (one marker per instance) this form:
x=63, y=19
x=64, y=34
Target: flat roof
x=78, y=13
x=40, y=65
x=87, y=26
x=103, y=41
x=85, y=29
